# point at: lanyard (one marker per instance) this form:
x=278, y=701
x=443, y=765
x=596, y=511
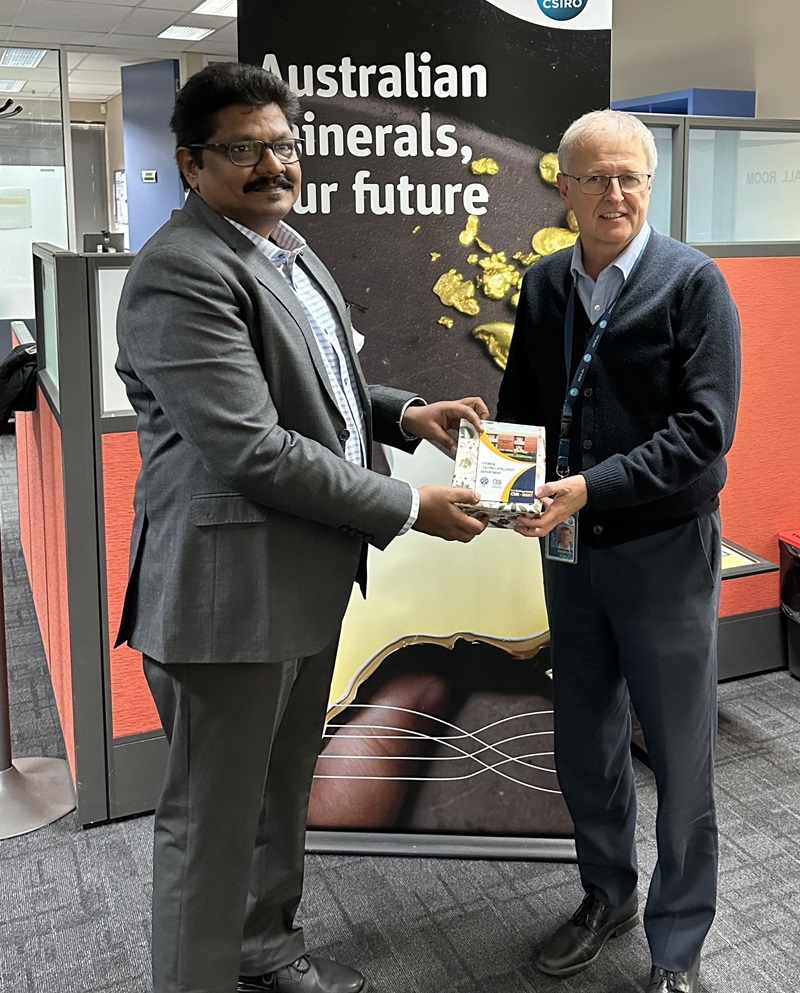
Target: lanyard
x=574, y=389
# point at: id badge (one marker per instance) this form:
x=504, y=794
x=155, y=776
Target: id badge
x=561, y=544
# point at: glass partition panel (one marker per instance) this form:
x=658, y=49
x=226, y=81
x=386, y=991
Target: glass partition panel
x=744, y=186
x=114, y=399
x=659, y=213
x=48, y=333
x=33, y=197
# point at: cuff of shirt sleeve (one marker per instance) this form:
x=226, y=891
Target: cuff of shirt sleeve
x=412, y=517
x=413, y=402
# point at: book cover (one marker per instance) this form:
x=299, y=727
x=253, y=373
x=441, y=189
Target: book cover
x=504, y=464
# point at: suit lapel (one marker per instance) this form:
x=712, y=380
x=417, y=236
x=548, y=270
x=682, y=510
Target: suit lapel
x=266, y=274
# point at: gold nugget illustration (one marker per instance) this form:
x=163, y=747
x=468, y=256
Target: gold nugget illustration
x=500, y=279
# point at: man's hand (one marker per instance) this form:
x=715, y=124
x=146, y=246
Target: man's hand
x=438, y=514
x=434, y=420
x=562, y=498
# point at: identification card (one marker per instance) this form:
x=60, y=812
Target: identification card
x=561, y=544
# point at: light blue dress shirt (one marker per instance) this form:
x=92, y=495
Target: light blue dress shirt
x=597, y=296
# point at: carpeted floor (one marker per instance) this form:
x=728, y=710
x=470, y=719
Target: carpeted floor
x=74, y=904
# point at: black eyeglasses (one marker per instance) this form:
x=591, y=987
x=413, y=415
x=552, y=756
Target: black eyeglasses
x=629, y=182
x=250, y=151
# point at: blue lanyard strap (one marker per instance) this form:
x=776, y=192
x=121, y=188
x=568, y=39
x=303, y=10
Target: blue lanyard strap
x=574, y=389
x=562, y=464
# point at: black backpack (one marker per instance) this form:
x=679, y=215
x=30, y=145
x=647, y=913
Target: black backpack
x=17, y=381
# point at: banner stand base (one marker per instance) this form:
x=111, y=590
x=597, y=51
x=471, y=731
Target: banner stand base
x=440, y=846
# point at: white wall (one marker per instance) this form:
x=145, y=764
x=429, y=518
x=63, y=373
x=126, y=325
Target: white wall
x=87, y=111
x=663, y=45
x=115, y=151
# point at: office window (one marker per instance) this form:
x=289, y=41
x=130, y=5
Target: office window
x=660, y=213
x=33, y=199
x=744, y=186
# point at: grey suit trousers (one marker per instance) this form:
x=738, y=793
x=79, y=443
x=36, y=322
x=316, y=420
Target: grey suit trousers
x=638, y=623
x=230, y=824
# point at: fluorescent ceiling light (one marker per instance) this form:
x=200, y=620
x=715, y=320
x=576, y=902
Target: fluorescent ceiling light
x=23, y=58
x=11, y=85
x=185, y=33
x=217, y=8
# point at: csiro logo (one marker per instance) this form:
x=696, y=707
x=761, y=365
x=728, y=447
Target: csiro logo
x=562, y=10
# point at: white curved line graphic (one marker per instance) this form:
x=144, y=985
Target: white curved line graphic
x=494, y=750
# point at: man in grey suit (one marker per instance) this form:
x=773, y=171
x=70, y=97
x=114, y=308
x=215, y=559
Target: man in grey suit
x=253, y=509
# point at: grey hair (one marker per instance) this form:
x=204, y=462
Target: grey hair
x=607, y=124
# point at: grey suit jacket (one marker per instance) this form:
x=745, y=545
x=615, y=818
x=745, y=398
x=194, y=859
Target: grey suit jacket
x=249, y=522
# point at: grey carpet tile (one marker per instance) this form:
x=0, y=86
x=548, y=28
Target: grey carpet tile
x=74, y=904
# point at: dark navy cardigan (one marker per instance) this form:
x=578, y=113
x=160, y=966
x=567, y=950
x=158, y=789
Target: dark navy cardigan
x=658, y=407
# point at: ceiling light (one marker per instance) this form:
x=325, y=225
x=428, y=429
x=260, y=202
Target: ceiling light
x=23, y=58
x=11, y=85
x=217, y=8
x=185, y=33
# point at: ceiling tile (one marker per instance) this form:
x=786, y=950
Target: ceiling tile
x=105, y=3
x=42, y=36
x=40, y=75
x=8, y=9
x=147, y=22
x=175, y=5
x=106, y=62
x=72, y=16
x=227, y=35
x=211, y=47
x=91, y=91
x=94, y=78
x=143, y=43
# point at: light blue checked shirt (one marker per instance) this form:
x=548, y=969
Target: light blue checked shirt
x=283, y=250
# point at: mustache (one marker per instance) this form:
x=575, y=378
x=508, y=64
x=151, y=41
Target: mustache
x=263, y=183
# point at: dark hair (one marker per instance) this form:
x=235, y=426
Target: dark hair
x=218, y=86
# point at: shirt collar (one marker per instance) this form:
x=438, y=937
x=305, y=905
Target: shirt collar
x=625, y=261
x=283, y=246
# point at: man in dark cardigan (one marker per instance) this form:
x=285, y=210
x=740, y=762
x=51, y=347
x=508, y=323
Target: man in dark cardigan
x=639, y=465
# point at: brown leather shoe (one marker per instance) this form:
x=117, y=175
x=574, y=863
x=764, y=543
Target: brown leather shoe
x=576, y=944
x=664, y=981
x=306, y=975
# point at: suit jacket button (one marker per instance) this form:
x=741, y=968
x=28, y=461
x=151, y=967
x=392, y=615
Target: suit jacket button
x=598, y=529
x=588, y=391
x=344, y=434
x=344, y=528
x=587, y=444
x=369, y=537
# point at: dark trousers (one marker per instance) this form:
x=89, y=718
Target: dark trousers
x=638, y=623
x=230, y=824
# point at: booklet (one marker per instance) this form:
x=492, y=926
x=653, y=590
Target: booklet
x=504, y=464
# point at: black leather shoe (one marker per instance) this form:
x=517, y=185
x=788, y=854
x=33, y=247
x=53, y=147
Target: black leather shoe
x=576, y=944
x=306, y=975
x=664, y=981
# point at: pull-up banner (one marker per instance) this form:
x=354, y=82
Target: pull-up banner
x=430, y=131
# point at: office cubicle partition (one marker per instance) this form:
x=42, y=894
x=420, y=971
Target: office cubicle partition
x=77, y=463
